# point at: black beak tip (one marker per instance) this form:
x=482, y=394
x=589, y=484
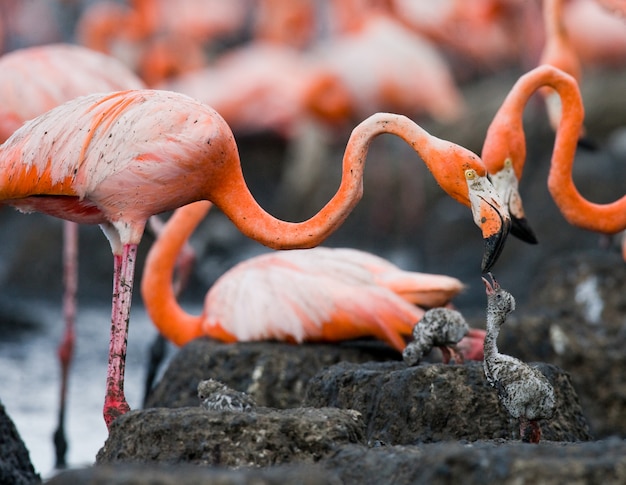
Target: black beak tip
x=522, y=230
x=494, y=245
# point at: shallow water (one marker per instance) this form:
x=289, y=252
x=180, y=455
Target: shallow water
x=31, y=380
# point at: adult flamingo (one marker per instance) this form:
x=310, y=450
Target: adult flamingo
x=32, y=81
x=504, y=149
x=504, y=154
x=116, y=159
x=318, y=294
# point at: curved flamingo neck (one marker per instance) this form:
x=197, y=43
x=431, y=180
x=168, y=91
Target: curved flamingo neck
x=156, y=286
x=446, y=161
x=490, y=348
x=605, y=218
x=505, y=137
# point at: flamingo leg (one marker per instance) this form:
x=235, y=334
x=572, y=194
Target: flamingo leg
x=445, y=354
x=455, y=354
x=529, y=430
x=66, y=347
x=123, y=272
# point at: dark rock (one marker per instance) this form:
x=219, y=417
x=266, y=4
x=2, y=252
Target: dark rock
x=195, y=475
x=437, y=402
x=262, y=437
x=576, y=321
x=274, y=374
x=482, y=462
x=15, y=465
x=479, y=462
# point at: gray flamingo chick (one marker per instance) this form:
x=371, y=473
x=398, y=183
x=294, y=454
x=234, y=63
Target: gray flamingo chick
x=216, y=396
x=439, y=327
x=524, y=391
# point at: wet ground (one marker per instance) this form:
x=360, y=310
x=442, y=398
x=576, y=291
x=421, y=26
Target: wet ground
x=30, y=380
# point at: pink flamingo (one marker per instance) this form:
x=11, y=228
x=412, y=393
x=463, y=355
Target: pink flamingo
x=266, y=86
x=318, y=294
x=482, y=36
x=116, y=159
x=504, y=154
x=504, y=149
x=159, y=39
x=386, y=66
x=32, y=81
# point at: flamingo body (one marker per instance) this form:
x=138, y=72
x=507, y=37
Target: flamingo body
x=265, y=86
x=97, y=161
x=32, y=81
x=312, y=295
x=439, y=327
x=385, y=66
x=522, y=389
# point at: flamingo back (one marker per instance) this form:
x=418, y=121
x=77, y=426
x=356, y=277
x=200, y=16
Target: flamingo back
x=125, y=155
x=311, y=295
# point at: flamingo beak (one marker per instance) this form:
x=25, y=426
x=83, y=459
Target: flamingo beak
x=522, y=230
x=494, y=243
x=506, y=184
x=491, y=215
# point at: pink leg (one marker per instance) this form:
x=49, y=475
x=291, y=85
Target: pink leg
x=529, y=430
x=445, y=354
x=66, y=347
x=123, y=272
x=449, y=352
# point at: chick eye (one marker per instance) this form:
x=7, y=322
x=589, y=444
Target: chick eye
x=470, y=174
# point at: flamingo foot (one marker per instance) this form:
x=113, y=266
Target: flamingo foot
x=60, y=447
x=113, y=409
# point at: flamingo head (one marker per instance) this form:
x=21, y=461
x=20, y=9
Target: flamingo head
x=490, y=286
x=490, y=214
x=499, y=300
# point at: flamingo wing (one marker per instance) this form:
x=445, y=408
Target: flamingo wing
x=307, y=300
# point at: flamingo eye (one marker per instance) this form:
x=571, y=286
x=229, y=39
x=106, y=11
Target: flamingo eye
x=508, y=163
x=470, y=174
